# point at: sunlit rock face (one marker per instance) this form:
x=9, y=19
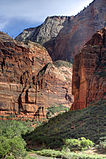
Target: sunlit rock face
x=89, y=72
x=19, y=66
x=63, y=37
x=29, y=81
x=46, y=31
x=55, y=81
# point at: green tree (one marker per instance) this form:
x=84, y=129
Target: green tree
x=77, y=144
x=4, y=146
x=17, y=147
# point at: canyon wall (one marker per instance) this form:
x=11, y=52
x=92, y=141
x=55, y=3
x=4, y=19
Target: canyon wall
x=29, y=81
x=89, y=72
x=78, y=31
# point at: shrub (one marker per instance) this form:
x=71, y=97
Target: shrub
x=102, y=143
x=60, y=63
x=12, y=148
x=9, y=157
x=13, y=128
x=17, y=147
x=77, y=144
x=56, y=109
x=4, y=146
x=49, y=152
x=12, y=145
x=66, y=155
x=72, y=144
x=85, y=143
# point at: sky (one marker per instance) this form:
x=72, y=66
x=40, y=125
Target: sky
x=17, y=15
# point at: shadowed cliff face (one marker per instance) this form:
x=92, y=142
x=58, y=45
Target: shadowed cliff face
x=78, y=31
x=28, y=78
x=63, y=37
x=89, y=72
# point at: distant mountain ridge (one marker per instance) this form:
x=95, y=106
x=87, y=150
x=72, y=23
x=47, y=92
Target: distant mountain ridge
x=63, y=36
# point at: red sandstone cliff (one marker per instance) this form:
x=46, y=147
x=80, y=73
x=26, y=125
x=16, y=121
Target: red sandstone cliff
x=28, y=78
x=89, y=72
x=55, y=83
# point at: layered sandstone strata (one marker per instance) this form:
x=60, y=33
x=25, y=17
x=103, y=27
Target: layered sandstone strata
x=55, y=81
x=27, y=79
x=19, y=66
x=89, y=72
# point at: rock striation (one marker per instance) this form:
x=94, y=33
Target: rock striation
x=46, y=31
x=89, y=72
x=56, y=84
x=63, y=37
x=27, y=77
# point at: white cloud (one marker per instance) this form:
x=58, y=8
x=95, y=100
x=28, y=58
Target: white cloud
x=3, y=23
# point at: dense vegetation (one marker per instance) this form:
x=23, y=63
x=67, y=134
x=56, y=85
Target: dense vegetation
x=88, y=123
x=57, y=109
x=77, y=144
x=58, y=137
x=60, y=63
x=12, y=145
x=67, y=155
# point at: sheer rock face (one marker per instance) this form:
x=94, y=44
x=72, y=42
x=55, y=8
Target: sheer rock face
x=63, y=37
x=55, y=84
x=77, y=32
x=46, y=31
x=23, y=86
x=89, y=72
x=19, y=66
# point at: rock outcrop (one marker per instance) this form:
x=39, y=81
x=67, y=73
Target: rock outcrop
x=55, y=81
x=28, y=78
x=89, y=72
x=63, y=37
x=46, y=31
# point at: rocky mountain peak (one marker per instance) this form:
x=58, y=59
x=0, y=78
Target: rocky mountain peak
x=64, y=36
x=46, y=31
